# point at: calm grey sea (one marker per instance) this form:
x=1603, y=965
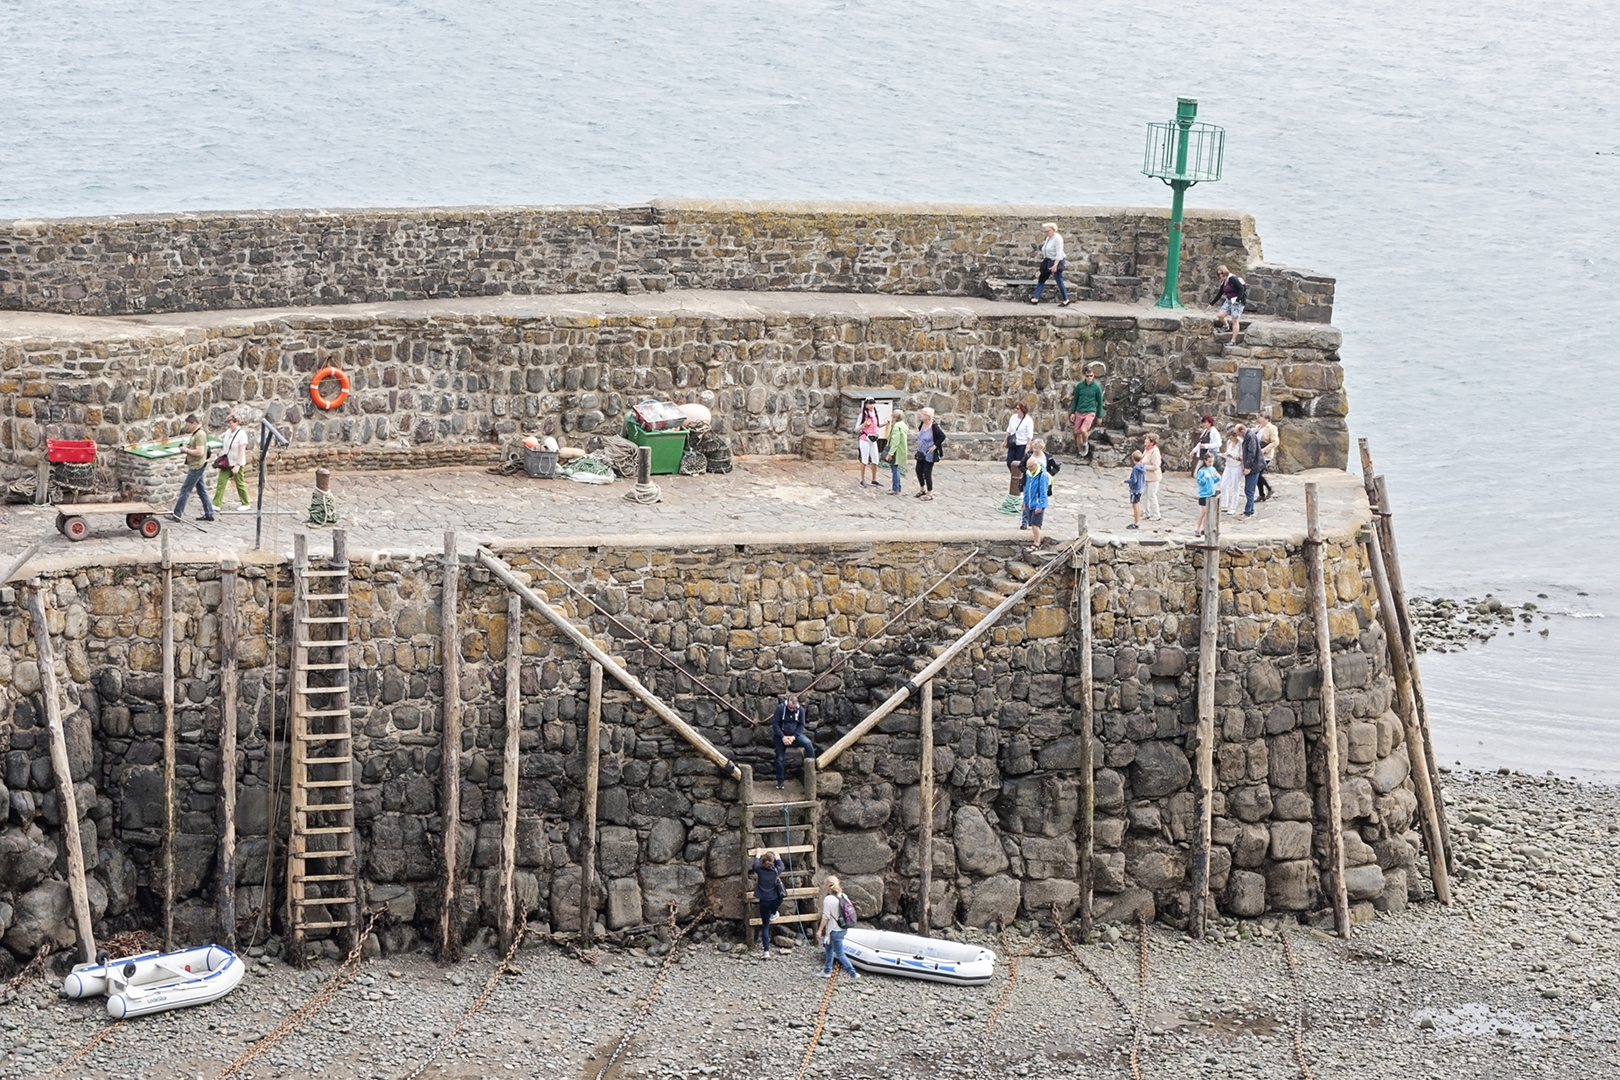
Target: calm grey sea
x=1454, y=163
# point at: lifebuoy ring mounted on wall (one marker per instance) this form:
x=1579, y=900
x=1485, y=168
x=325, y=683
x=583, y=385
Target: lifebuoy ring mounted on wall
x=320, y=377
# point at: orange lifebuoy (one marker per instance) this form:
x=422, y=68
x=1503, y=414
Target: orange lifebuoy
x=320, y=377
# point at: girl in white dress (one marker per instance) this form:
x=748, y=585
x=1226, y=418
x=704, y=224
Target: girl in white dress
x=1232, y=474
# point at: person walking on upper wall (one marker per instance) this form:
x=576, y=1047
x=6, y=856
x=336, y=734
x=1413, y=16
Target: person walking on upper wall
x=1052, y=264
x=837, y=916
x=930, y=445
x=789, y=726
x=232, y=463
x=196, y=466
x=869, y=439
x=1086, y=409
x=1231, y=295
x=769, y=893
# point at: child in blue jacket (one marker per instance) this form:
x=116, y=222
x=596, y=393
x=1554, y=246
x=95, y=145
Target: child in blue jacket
x=1136, y=485
x=1208, y=481
x=1037, y=492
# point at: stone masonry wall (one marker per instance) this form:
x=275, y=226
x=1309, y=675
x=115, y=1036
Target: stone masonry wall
x=751, y=624
x=425, y=385
x=185, y=262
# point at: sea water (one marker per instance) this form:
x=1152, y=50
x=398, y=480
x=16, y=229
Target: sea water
x=1455, y=165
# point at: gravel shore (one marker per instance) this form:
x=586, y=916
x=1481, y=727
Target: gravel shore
x=1521, y=976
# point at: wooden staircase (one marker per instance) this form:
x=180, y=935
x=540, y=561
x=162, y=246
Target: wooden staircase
x=322, y=885
x=787, y=822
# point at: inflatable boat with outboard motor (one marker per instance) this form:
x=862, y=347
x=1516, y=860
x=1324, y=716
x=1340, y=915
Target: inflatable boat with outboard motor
x=919, y=957
x=154, y=982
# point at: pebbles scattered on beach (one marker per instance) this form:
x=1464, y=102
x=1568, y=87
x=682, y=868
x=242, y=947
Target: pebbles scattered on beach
x=1521, y=973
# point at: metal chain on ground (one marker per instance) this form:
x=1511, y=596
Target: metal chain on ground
x=317, y=1001
x=821, y=1022
x=1299, y=1005
x=645, y=1004
x=1119, y=998
x=897, y=617
x=1006, y=991
x=86, y=1048
x=1139, y=1021
x=503, y=968
x=30, y=971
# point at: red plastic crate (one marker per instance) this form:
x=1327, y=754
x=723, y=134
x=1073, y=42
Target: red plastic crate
x=75, y=451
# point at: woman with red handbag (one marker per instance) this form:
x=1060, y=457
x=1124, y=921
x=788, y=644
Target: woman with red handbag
x=232, y=464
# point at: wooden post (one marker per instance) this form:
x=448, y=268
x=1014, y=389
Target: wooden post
x=1330, y=720
x=42, y=482
x=1397, y=587
x=925, y=810
x=66, y=800
x=1088, y=767
x=935, y=666
x=621, y=676
x=168, y=746
x=509, y=773
x=17, y=564
x=593, y=774
x=450, y=749
x=1208, y=662
x=228, y=617
x=1407, y=710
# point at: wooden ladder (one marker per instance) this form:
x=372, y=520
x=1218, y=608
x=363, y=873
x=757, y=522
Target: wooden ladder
x=791, y=828
x=322, y=886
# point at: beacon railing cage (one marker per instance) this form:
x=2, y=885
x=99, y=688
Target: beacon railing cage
x=1205, y=149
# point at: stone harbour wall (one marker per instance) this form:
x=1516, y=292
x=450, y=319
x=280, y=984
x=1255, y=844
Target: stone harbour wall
x=187, y=262
x=751, y=624
x=423, y=386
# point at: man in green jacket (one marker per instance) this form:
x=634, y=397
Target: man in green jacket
x=196, y=463
x=1085, y=409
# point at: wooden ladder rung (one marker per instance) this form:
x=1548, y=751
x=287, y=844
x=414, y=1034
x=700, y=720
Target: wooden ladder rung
x=800, y=894
x=324, y=712
x=800, y=804
x=345, y=854
x=339, y=761
x=324, y=619
x=324, y=736
x=343, y=572
x=325, y=784
x=790, y=849
x=326, y=830
x=322, y=901
x=796, y=918
x=324, y=808
x=326, y=667
x=329, y=643
x=327, y=924
x=323, y=689
x=327, y=596
x=324, y=877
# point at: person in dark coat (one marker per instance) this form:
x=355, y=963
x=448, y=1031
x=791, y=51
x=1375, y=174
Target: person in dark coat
x=789, y=726
x=768, y=892
x=1254, y=463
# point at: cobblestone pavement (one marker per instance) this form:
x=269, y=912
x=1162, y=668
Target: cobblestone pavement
x=760, y=501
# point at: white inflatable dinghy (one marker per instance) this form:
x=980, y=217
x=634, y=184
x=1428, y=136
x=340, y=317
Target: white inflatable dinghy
x=919, y=957
x=154, y=982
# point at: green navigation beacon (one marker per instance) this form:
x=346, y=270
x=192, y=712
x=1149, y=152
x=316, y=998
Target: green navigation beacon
x=1181, y=153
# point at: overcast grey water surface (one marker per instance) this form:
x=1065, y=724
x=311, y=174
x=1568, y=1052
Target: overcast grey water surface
x=1455, y=165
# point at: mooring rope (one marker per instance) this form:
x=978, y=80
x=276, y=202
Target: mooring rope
x=645, y=1003
x=821, y=1022
x=1119, y=998
x=503, y=968
x=1299, y=1006
x=317, y=1001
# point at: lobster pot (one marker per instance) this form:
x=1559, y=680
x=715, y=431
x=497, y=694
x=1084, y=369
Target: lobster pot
x=716, y=453
x=540, y=464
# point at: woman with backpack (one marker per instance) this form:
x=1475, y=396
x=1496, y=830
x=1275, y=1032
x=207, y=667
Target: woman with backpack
x=837, y=916
x=768, y=892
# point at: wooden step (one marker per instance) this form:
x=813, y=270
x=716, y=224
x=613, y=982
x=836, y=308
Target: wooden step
x=326, y=830
x=326, y=761
x=324, y=736
x=791, y=849
x=801, y=894
x=335, y=643
x=344, y=666
x=322, y=689
x=327, y=596
x=323, y=877
x=322, y=854
x=324, y=808
x=326, y=783
x=324, y=712
x=326, y=924
x=337, y=572
x=322, y=901
x=794, y=918
x=795, y=804
x=324, y=619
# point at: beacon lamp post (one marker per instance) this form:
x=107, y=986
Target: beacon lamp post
x=1181, y=153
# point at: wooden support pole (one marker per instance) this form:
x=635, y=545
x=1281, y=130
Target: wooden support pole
x=1088, y=767
x=925, y=812
x=1330, y=719
x=228, y=680
x=450, y=751
x=509, y=771
x=168, y=746
x=593, y=779
x=1208, y=662
x=67, y=802
x=982, y=627
x=621, y=676
x=1397, y=587
x=17, y=564
x=1407, y=711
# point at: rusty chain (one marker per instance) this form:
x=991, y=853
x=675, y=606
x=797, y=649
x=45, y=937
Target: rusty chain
x=503, y=968
x=317, y=1001
x=31, y=970
x=645, y=1004
x=86, y=1048
x=1119, y=999
x=1139, y=1021
x=1299, y=1005
x=1006, y=991
x=821, y=1022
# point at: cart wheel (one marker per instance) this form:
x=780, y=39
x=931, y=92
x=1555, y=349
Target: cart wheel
x=61, y=523
x=134, y=520
x=150, y=527
x=76, y=528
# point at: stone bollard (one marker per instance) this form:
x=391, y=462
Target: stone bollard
x=643, y=465
x=323, y=479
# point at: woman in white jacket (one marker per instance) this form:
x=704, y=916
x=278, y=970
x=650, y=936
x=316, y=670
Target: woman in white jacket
x=234, y=452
